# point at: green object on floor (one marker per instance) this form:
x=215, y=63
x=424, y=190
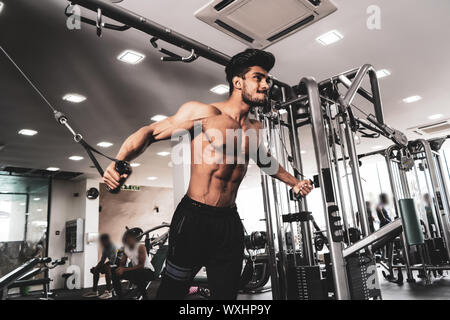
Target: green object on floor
x=25, y=291
x=411, y=222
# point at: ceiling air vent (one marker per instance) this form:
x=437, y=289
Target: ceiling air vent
x=260, y=23
x=432, y=129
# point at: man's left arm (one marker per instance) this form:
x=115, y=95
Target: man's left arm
x=268, y=164
x=302, y=187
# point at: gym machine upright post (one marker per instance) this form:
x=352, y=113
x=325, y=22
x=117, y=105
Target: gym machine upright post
x=333, y=124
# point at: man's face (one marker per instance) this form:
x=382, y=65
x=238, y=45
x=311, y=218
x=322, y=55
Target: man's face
x=130, y=242
x=255, y=87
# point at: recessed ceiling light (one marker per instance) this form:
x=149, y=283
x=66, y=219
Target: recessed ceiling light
x=158, y=117
x=220, y=89
x=135, y=164
x=1, y=6
x=329, y=38
x=28, y=132
x=383, y=73
x=52, y=169
x=39, y=210
x=303, y=152
x=104, y=144
x=76, y=158
x=131, y=57
x=152, y=178
x=74, y=97
x=163, y=153
x=36, y=199
x=435, y=116
x=412, y=99
x=377, y=147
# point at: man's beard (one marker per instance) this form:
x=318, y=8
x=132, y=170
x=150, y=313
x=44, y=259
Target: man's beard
x=254, y=102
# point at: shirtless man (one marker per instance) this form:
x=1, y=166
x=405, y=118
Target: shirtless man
x=206, y=229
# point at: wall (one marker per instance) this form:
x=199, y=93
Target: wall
x=134, y=209
x=64, y=206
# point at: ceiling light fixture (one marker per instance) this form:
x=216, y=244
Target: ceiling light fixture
x=135, y=164
x=383, y=73
x=412, y=99
x=329, y=38
x=163, y=153
x=28, y=132
x=435, y=116
x=76, y=158
x=104, y=144
x=1, y=6
x=36, y=199
x=152, y=178
x=74, y=98
x=52, y=169
x=220, y=89
x=158, y=117
x=131, y=57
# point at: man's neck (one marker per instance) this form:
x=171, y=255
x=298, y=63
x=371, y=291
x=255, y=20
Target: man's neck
x=235, y=108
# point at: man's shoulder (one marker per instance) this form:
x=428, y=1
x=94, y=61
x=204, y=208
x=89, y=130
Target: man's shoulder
x=255, y=123
x=199, y=109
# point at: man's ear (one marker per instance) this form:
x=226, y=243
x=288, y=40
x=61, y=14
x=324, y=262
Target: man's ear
x=237, y=83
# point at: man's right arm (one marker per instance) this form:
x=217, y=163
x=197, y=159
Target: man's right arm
x=139, y=141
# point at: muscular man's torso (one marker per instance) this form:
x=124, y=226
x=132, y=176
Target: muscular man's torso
x=217, y=166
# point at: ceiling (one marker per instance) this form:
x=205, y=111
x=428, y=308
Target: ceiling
x=412, y=43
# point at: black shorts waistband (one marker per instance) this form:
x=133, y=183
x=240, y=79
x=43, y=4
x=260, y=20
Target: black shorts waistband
x=207, y=208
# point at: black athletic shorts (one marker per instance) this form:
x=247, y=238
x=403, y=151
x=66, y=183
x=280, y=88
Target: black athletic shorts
x=202, y=235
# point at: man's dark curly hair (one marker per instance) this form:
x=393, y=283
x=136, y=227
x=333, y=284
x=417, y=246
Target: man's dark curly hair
x=241, y=63
x=104, y=237
x=133, y=232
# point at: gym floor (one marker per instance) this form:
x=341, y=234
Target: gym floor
x=438, y=290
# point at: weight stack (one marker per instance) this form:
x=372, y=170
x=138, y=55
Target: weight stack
x=436, y=249
x=362, y=277
x=304, y=283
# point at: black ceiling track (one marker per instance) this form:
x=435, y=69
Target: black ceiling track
x=39, y=173
x=292, y=28
x=222, y=4
x=234, y=31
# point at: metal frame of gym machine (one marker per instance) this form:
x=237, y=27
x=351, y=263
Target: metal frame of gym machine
x=319, y=130
x=429, y=159
x=332, y=124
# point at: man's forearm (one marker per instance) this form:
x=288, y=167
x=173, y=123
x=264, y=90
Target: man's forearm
x=285, y=177
x=135, y=144
x=139, y=266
